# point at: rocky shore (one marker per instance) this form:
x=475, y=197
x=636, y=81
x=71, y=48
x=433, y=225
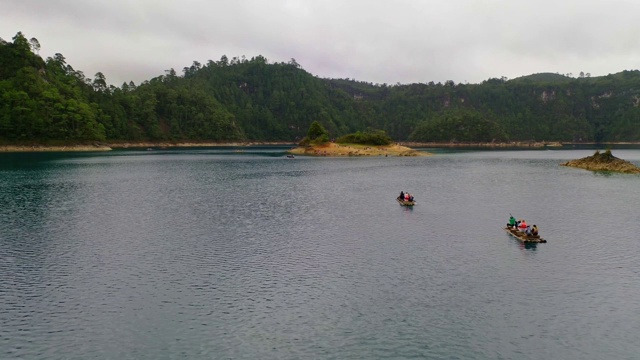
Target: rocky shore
x=603, y=162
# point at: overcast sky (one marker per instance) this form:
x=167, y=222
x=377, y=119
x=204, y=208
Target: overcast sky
x=379, y=41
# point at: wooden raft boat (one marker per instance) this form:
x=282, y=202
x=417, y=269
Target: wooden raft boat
x=523, y=237
x=406, y=203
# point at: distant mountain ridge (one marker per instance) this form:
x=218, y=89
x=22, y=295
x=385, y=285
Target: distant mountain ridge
x=544, y=78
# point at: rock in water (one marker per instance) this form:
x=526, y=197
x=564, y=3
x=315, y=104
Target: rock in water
x=604, y=162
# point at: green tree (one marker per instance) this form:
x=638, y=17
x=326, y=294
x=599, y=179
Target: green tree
x=35, y=45
x=316, y=130
x=99, y=82
x=316, y=135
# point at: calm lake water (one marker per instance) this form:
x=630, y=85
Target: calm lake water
x=218, y=254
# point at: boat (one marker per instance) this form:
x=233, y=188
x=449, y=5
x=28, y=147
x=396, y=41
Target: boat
x=406, y=202
x=521, y=236
x=290, y=156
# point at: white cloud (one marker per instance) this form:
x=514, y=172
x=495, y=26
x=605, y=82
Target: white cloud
x=377, y=41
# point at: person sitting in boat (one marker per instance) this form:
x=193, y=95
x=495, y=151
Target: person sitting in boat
x=527, y=231
x=512, y=222
x=523, y=225
x=410, y=197
x=401, y=197
x=534, y=230
x=406, y=196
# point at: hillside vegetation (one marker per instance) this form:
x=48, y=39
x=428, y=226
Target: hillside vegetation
x=240, y=99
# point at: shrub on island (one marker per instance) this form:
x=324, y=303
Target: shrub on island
x=317, y=135
x=371, y=137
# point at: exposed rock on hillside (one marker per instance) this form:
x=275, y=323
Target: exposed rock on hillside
x=604, y=162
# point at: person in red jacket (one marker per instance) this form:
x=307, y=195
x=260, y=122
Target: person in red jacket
x=523, y=225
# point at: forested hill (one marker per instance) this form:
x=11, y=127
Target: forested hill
x=239, y=99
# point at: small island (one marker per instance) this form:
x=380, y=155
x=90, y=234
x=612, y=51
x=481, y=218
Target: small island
x=604, y=162
x=333, y=149
x=371, y=143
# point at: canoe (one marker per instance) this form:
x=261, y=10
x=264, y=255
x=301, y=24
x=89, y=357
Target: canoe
x=523, y=237
x=406, y=203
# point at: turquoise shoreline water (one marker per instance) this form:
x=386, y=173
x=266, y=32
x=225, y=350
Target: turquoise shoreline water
x=211, y=253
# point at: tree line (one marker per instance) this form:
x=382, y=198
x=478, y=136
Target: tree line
x=240, y=99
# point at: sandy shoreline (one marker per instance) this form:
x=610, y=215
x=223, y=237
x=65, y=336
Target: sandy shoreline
x=127, y=145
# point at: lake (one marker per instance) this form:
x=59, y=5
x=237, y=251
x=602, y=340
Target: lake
x=224, y=254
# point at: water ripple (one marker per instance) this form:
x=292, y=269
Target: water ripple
x=198, y=255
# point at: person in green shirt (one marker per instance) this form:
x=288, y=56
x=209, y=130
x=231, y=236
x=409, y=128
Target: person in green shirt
x=512, y=222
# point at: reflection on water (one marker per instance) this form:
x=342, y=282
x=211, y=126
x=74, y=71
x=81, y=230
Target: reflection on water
x=209, y=253
x=528, y=246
